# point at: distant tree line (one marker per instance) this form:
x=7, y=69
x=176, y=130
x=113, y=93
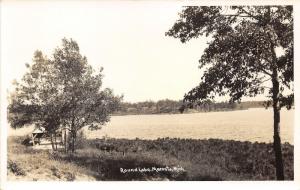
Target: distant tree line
x=172, y=107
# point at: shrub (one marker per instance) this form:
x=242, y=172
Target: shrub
x=56, y=172
x=15, y=168
x=80, y=141
x=70, y=176
x=26, y=141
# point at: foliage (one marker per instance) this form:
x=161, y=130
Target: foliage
x=64, y=91
x=211, y=159
x=174, y=107
x=34, y=100
x=15, y=168
x=240, y=58
x=208, y=159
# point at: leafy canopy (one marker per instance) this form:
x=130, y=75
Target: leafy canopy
x=64, y=90
x=242, y=55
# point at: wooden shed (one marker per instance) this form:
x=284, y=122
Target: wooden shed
x=37, y=134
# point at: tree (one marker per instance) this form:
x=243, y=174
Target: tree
x=36, y=98
x=64, y=92
x=242, y=58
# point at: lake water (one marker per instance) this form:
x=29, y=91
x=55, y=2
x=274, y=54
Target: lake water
x=244, y=125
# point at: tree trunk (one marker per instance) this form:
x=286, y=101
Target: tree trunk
x=65, y=141
x=55, y=142
x=277, y=141
x=73, y=131
x=276, y=106
x=73, y=141
x=75, y=138
x=51, y=138
x=32, y=137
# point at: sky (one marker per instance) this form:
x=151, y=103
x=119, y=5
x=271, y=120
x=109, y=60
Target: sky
x=127, y=39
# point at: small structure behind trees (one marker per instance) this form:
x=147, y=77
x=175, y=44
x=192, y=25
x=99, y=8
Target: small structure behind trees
x=40, y=136
x=37, y=134
x=61, y=94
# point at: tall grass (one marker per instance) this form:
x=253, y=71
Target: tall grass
x=205, y=159
x=26, y=163
x=102, y=159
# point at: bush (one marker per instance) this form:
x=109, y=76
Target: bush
x=80, y=140
x=26, y=141
x=15, y=168
x=70, y=176
x=56, y=172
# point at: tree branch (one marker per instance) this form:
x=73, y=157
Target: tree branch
x=264, y=70
x=251, y=15
x=266, y=80
x=266, y=87
x=237, y=15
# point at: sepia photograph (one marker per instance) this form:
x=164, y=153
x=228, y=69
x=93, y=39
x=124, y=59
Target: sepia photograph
x=147, y=91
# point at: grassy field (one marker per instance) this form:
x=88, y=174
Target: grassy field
x=102, y=159
x=27, y=164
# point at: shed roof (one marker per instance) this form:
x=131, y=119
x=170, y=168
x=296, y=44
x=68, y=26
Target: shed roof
x=39, y=130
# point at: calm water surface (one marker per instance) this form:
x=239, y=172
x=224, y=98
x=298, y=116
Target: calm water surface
x=244, y=125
